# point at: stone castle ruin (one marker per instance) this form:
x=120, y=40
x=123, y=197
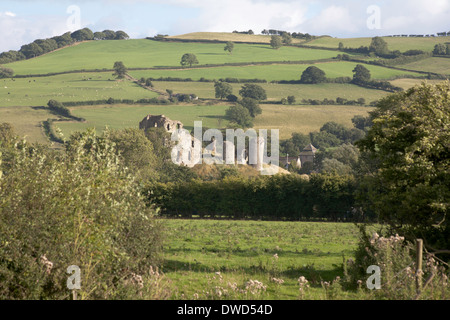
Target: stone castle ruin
x=160, y=121
x=189, y=151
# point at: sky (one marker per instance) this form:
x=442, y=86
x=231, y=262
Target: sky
x=23, y=21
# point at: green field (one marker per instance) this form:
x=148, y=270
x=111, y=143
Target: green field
x=38, y=91
x=242, y=250
x=287, y=119
x=305, y=119
x=26, y=122
x=394, y=43
x=148, y=54
x=275, y=92
x=408, y=83
x=274, y=72
x=125, y=116
x=225, y=36
x=435, y=64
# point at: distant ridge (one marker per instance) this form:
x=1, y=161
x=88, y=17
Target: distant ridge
x=225, y=37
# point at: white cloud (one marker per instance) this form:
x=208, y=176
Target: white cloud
x=333, y=19
x=10, y=14
x=243, y=15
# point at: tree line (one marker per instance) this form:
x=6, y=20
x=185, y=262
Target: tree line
x=42, y=46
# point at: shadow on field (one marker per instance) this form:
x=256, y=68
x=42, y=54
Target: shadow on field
x=308, y=271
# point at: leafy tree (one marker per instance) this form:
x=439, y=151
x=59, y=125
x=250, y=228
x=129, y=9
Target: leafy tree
x=148, y=83
x=64, y=40
x=58, y=108
x=407, y=147
x=324, y=140
x=276, y=42
x=83, y=35
x=229, y=47
x=252, y=106
x=253, y=91
x=313, y=75
x=341, y=46
x=335, y=128
x=361, y=122
x=223, y=89
x=440, y=49
x=7, y=134
x=291, y=99
x=286, y=38
x=334, y=166
x=6, y=72
x=379, y=46
x=136, y=151
x=11, y=56
x=188, y=59
x=232, y=98
x=239, y=115
x=119, y=70
x=47, y=45
x=109, y=34
x=295, y=144
x=361, y=74
x=99, y=36
x=121, y=35
x=31, y=50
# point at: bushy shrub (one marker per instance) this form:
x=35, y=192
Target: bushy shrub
x=79, y=207
x=397, y=261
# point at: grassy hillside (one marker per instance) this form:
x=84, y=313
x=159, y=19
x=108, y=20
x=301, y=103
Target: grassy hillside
x=125, y=116
x=435, y=64
x=394, y=43
x=305, y=119
x=38, y=91
x=148, y=54
x=275, y=92
x=17, y=96
x=226, y=36
x=275, y=72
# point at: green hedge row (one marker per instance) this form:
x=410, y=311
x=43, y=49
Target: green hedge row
x=116, y=101
x=279, y=197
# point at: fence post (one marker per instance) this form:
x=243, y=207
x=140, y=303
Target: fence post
x=419, y=256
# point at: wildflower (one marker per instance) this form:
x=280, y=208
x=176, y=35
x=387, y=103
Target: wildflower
x=275, y=256
x=47, y=264
x=277, y=281
x=137, y=280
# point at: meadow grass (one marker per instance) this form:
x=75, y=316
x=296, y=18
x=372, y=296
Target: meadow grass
x=148, y=54
x=226, y=36
x=275, y=72
x=409, y=83
x=38, y=91
x=394, y=43
x=242, y=250
x=305, y=118
x=275, y=92
x=434, y=64
x=288, y=119
x=26, y=122
x=129, y=116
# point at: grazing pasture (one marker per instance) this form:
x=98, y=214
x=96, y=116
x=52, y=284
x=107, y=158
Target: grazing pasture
x=275, y=72
x=394, y=43
x=37, y=91
x=144, y=53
